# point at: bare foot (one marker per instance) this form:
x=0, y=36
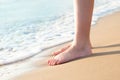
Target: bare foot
x=71, y=53
x=61, y=50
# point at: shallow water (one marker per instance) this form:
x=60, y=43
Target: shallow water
x=29, y=26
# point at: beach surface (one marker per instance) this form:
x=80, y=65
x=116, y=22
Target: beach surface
x=103, y=64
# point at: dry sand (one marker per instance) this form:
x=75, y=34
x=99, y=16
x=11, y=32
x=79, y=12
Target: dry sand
x=103, y=64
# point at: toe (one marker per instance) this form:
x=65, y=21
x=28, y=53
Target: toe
x=52, y=62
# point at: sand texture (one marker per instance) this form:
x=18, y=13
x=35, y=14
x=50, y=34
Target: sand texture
x=103, y=64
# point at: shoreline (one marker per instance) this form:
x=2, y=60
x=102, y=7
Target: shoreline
x=51, y=46
x=106, y=43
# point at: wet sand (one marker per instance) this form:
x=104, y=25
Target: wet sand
x=103, y=64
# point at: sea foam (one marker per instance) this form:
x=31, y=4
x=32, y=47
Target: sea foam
x=24, y=35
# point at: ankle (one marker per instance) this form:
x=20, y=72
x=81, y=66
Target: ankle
x=82, y=45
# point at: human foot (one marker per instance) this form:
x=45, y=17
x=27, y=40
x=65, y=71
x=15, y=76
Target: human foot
x=71, y=53
x=61, y=50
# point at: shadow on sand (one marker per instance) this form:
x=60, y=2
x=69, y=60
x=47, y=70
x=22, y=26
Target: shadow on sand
x=93, y=55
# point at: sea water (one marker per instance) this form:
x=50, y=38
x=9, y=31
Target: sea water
x=27, y=27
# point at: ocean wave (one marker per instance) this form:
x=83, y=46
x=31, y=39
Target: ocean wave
x=27, y=37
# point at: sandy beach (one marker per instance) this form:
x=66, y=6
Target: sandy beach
x=103, y=64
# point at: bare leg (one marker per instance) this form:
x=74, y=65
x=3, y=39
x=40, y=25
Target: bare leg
x=81, y=45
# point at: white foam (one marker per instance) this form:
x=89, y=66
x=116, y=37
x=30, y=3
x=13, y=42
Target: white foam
x=27, y=37
x=19, y=41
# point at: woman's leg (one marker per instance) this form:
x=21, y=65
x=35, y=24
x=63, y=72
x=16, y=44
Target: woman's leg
x=81, y=45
